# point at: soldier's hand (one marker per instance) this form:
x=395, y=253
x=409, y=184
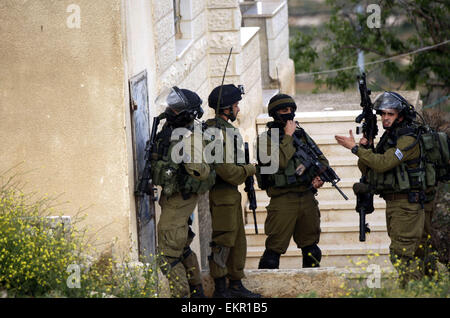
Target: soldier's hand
x=317, y=182
x=250, y=169
x=289, y=129
x=363, y=141
x=347, y=142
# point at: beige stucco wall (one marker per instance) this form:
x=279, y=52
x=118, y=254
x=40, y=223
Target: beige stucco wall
x=62, y=108
x=64, y=100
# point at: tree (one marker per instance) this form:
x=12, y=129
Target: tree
x=405, y=26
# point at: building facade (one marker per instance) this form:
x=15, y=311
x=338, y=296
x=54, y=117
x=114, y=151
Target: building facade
x=79, y=82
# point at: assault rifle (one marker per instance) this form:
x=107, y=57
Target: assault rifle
x=250, y=189
x=364, y=199
x=144, y=185
x=309, y=156
x=369, y=127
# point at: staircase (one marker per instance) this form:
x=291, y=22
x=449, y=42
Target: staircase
x=339, y=240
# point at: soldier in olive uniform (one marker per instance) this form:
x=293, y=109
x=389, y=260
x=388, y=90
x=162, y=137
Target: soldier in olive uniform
x=182, y=181
x=293, y=211
x=394, y=170
x=229, y=245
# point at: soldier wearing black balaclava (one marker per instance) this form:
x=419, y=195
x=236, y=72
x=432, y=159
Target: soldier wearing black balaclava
x=293, y=210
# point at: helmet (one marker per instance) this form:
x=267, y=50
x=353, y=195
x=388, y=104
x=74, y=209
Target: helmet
x=280, y=101
x=181, y=105
x=393, y=100
x=229, y=94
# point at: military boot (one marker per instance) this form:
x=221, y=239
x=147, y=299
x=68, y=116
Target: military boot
x=220, y=288
x=237, y=290
x=269, y=260
x=311, y=256
x=197, y=291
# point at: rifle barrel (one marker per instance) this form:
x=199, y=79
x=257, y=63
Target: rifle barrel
x=340, y=191
x=362, y=226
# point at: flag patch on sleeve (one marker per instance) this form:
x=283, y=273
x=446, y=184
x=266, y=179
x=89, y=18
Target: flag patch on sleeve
x=399, y=154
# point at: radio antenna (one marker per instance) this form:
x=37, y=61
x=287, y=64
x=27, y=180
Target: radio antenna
x=223, y=79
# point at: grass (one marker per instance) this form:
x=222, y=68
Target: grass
x=358, y=281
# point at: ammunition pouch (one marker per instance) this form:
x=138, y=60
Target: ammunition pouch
x=290, y=177
x=409, y=176
x=416, y=197
x=172, y=177
x=192, y=185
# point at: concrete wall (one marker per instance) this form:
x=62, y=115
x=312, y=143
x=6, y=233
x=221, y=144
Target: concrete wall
x=62, y=108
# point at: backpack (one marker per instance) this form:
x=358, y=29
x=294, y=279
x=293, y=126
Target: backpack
x=436, y=151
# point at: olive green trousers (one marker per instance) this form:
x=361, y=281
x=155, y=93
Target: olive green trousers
x=228, y=235
x=405, y=225
x=179, y=263
x=292, y=215
x=425, y=252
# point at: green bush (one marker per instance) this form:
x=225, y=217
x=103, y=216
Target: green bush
x=43, y=258
x=425, y=288
x=357, y=275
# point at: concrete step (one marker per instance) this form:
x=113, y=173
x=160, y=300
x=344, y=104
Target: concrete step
x=332, y=232
x=330, y=211
x=350, y=216
x=344, y=183
x=321, y=123
x=360, y=255
x=321, y=128
x=328, y=205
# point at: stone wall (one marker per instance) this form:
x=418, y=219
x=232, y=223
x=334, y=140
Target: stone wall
x=181, y=60
x=272, y=19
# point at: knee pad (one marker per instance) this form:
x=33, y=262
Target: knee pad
x=167, y=263
x=269, y=260
x=311, y=256
x=219, y=254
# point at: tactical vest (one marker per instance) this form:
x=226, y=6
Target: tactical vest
x=408, y=176
x=171, y=176
x=287, y=177
x=238, y=154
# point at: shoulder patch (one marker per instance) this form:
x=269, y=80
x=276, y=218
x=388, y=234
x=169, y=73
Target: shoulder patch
x=399, y=154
